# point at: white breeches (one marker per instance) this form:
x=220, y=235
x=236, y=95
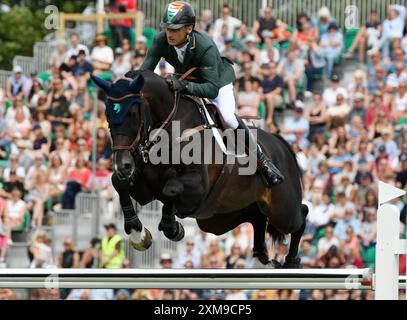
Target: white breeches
x=226, y=104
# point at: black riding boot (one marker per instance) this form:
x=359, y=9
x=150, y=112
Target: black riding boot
x=270, y=174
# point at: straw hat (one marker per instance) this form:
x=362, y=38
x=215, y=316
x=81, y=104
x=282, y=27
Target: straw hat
x=101, y=37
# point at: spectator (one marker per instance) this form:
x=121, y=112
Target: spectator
x=58, y=102
x=292, y=70
x=328, y=241
x=368, y=229
x=90, y=256
x=317, y=117
x=399, y=103
x=76, y=46
x=314, y=61
x=272, y=85
x=16, y=209
x=111, y=255
x=101, y=181
x=40, y=251
x=393, y=28
x=34, y=94
x=268, y=24
x=59, y=55
x=69, y=258
x=230, y=23
x=120, y=66
x=76, y=181
x=308, y=254
x=337, y=114
x=330, y=94
x=37, y=196
x=141, y=48
x=386, y=141
x=190, y=255
x=235, y=257
x=19, y=126
x=15, y=84
x=297, y=129
x=324, y=20
x=239, y=235
x=121, y=27
x=166, y=261
x=102, y=56
x=4, y=231
x=349, y=220
x=83, y=68
x=367, y=37
x=332, y=46
x=214, y=252
x=359, y=109
x=248, y=102
x=206, y=22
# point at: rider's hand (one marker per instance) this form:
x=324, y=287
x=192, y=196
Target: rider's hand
x=177, y=85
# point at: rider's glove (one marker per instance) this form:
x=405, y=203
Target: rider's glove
x=177, y=85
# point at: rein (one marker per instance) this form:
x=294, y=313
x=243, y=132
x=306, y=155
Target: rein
x=145, y=147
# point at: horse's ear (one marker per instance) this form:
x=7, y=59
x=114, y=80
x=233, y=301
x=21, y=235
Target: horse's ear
x=137, y=84
x=102, y=84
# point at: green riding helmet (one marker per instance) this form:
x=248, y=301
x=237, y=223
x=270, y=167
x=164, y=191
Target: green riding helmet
x=178, y=14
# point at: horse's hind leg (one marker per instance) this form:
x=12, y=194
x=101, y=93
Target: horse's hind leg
x=140, y=238
x=292, y=261
x=172, y=229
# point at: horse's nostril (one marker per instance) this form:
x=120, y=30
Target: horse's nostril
x=127, y=165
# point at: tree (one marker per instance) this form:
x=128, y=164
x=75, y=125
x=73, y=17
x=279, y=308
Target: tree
x=19, y=30
x=23, y=26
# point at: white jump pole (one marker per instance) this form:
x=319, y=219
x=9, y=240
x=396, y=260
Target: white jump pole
x=389, y=245
x=340, y=279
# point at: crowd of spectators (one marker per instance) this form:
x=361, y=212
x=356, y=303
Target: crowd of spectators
x=347, y=136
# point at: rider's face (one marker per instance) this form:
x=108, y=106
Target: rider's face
x=178, y=37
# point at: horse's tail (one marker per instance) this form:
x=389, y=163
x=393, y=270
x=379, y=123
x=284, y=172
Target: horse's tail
x=276, y=236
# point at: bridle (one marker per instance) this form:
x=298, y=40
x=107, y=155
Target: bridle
x=144, y=129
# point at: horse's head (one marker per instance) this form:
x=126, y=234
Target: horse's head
x=124, y=114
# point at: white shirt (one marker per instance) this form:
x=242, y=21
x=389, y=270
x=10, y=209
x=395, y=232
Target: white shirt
x=181, y=52
x=14, y=209
x=232, y=24
x=103, y=54
x=329, y=95
x=394, y=28
x=75, y=51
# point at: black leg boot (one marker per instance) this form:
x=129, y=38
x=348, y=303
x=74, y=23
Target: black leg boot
x=270, y=174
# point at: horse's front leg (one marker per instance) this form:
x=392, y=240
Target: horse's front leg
x=172, y=229
x=140, y=237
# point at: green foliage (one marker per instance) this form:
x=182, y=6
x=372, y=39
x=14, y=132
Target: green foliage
x=19, y=30
x=24, y=25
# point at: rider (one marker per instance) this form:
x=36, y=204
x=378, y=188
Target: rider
x=184, y=48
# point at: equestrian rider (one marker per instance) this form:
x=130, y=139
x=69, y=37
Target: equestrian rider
x=184, y=48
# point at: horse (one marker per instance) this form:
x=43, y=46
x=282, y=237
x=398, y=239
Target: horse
x=216, y=195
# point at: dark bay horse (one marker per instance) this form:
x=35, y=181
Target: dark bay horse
x=142, y=102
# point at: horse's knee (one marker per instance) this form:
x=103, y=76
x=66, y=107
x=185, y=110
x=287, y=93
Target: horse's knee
x=118, y=184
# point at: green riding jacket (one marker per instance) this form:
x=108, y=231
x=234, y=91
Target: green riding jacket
x=214, y=71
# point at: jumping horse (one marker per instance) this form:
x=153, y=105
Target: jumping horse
x=215, y=194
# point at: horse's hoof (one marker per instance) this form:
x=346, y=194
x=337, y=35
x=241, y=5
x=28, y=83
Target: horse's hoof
x=292, y=264
x=274, y=264
x=263, y=257
x=179, y=234
x=257, y=264
x=141, y=241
